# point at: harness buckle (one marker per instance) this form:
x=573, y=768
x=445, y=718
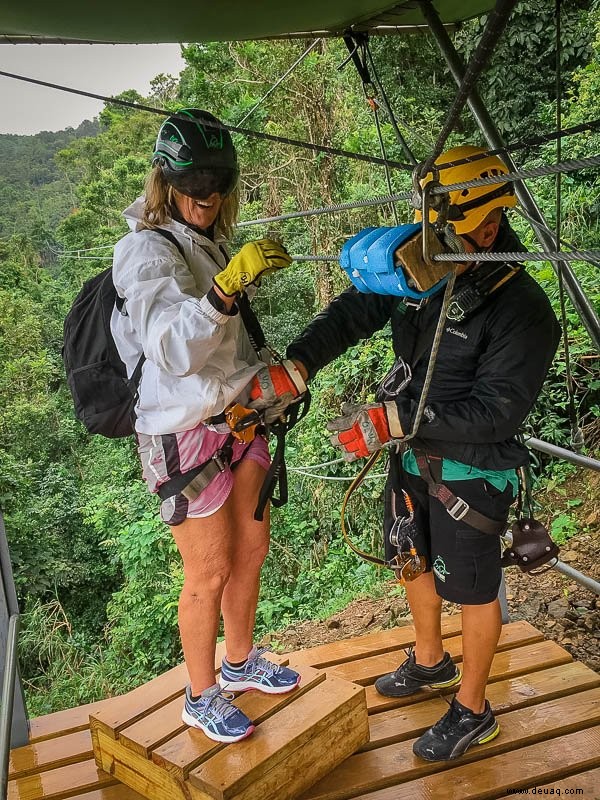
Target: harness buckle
x=221, y=461
x=459, y=509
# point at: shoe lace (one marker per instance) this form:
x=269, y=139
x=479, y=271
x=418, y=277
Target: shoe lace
x=258, y=662
x=451, y=716
x=408, y=652
x=220, y=705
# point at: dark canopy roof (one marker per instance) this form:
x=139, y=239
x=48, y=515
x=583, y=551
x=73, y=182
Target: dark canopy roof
x=219, y=20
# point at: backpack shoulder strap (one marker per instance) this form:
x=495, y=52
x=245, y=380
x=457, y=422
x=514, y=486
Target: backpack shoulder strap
x=170, y=236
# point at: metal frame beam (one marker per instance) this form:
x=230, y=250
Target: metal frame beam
x=578, y=297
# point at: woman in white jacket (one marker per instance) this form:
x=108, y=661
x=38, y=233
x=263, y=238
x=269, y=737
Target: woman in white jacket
x=181, y=312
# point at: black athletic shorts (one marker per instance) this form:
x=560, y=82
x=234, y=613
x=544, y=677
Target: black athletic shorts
x=465, y=561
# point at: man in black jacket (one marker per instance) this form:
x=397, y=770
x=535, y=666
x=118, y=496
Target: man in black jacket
x=460, y=471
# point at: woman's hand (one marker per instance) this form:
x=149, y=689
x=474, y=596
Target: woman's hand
x=254, y=260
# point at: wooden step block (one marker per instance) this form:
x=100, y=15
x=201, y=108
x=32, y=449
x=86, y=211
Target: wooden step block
x=185, y=751
x=300, y=737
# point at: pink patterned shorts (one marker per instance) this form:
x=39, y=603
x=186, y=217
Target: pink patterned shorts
x=166, y=456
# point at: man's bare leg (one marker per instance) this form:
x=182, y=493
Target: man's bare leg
x=481, y=630
x=426, y=608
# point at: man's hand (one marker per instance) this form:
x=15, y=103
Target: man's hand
x=274, y=388
x=364, y=429
x=254, y=260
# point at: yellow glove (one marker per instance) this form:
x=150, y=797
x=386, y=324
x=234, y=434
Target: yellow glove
x=254, y=260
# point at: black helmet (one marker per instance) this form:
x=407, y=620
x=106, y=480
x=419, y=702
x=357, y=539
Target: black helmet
x=195, y=158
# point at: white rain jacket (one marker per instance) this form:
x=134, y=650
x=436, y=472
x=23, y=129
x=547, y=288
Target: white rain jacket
x=197, y=359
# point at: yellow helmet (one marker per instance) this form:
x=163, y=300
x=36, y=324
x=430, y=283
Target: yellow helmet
x=469, y=207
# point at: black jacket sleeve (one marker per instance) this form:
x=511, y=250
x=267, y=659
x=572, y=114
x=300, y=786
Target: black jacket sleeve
x=350, y=317
x=520, y=339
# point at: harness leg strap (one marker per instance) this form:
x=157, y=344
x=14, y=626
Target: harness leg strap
x=430, y=469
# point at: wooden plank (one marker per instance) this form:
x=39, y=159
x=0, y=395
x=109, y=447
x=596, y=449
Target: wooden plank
x=507, y=664
x=150, y=696
x=67, y=721
x=165, y=723
x=546, y=761
x=141, y=775
x=50, y=754
x=387, y=766
x=188, y=750
x=56, y=784
x=401, y=724
x=233, y=770
x=381, y=641
x=366, y=670
x=584, y=784
x=117, y=792
x=141, y=701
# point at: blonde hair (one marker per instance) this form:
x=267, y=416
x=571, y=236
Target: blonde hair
x=160, y=199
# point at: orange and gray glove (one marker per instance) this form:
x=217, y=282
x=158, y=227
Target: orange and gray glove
x=274, y=388
x=364, y=429
x=254, y=260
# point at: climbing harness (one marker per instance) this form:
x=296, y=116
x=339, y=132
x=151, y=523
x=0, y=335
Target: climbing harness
x=430, y=470
x=244, y=424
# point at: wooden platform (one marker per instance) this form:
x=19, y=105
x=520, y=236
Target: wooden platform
x=547, y=705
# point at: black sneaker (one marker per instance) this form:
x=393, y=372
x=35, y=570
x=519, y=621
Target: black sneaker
x=457, y=730
x=410, y=676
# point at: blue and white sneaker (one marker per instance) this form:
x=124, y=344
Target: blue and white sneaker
x=258, y=673
x=215, y=714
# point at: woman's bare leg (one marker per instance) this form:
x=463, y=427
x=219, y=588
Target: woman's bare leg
x=250, y=545
x=205, y=545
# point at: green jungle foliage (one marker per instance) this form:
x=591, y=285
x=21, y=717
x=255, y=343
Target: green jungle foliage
x=97, y=574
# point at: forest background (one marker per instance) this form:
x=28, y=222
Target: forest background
x=97, y=574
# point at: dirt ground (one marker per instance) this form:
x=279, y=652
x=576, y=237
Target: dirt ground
x=560, y=608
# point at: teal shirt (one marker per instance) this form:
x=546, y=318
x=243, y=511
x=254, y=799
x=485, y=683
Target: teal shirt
x=456, y=471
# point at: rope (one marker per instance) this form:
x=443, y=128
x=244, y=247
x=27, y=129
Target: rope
x=496, y=22
x=433, y=355
x=280, y=81
x=334, y=478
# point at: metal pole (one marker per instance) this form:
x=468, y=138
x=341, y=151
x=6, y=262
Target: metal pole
x=584, y=580
x=582, y=304
x=8, y=697
x=561, y=452
x=9, y=608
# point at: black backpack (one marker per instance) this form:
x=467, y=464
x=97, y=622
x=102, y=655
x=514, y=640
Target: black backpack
x=104, y=397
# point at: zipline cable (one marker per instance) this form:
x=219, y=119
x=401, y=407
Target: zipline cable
x=317, y=148
x=584, y=127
